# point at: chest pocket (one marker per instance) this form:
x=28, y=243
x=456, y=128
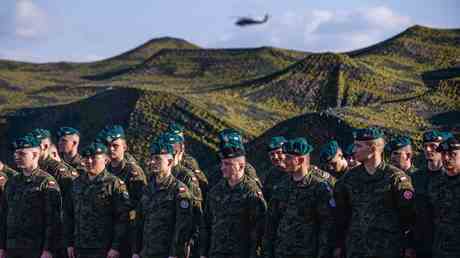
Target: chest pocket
x=32, y=197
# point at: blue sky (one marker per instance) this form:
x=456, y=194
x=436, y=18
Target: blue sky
x=88, y=30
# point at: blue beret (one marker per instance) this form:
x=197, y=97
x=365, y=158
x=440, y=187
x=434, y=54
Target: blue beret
x=328, y=151
x=175, y=128
x=276, y=142
x=112, y=133
x=368, y=134
x=451, y=144
x=94, y=148
x=158, y=148
x=170, y=138
x=297, y=146
x=231, y=150
x=436, y=136
x=63, y=131
x=27, y=141
x=40, y=133
x=398, y=143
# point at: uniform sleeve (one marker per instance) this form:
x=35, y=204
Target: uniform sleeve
x=403, y=194
x=3, y=216
x=257, y=215
x=324, y=209
x=53, y=208
x=342, y=212
x=137, y=184
x=69, y=218
x=184, y=223
x=138, y=229
x=205, y=228
x=121, y=209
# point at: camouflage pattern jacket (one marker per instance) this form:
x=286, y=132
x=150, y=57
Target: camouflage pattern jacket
x=164, y=219
x=375, y=211
x=96, y=212
x=30, y=207
x=233, y=220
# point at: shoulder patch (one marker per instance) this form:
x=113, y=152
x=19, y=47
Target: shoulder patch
x=408, y=195
x=122, y=182
x=194, y=179
x=74, y=173
x=51, y=183
x=259, y=194
x=62, y=169
x=184, y=204
x=182, y=189
x=403, y=178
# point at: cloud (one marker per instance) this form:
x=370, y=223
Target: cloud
x=320, y=30
x=31, y=20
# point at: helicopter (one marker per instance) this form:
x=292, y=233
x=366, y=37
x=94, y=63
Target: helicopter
x=247, y=21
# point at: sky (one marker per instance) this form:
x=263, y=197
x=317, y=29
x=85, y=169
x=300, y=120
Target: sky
x=89, y=30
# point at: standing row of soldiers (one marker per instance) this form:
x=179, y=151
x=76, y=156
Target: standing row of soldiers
x=102, y=204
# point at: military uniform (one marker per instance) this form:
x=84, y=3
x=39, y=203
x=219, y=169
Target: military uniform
x=30, y=207
x=75, y=161
x=277, y=205
x=5, y=173
x=190, y=162
x=375, y=211
x=96, y=215
x=164, y=219
x=274, y=177
x=307, y=219
x=233, y=220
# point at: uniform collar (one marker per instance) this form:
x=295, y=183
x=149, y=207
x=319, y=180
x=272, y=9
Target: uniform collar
x=164, y=183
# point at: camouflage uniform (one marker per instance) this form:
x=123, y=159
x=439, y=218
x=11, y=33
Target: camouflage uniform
x=323, y=175
x=191, y=163
x=96, y=214
x=75, y=161
x=233, y=220
x=30, y=207
x=375, y=211
x=279, y=195
x=423, y=230
x=444, y=211
x=216, y=176
x=6, y=173
x=274, y=177
x=164, y=219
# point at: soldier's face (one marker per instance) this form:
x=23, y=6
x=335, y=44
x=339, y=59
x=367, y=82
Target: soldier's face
x=67, y=144
x=117, y=149
x=26, y=158
x=96, y=163
x=292, y=162
x=54, y=154
x=338, y=163
x=451, y=160
x=429, y=149
x=160, y=163
x=401, y=158
x=362, y=151
x=277, y=158
x=232, y=168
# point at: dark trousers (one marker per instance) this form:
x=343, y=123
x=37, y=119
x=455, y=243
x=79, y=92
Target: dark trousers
x=23, y=253
x=91, y=253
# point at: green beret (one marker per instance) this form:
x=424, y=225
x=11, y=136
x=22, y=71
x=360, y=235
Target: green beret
x=231, y=150
x=436, y=136
x=276, y=142
x=63, y=131
x=348, y=151
x=101, y=136
x=229, y=134
x=451, y=144
x=112, y=133
x=175, y=128
x=157, y=148
x=170, y=138
x=27, y=141
x=40, y=133
x=328, y=151
x=398, y=143
x=94, y=149
x=368, y=134
x=298, y=146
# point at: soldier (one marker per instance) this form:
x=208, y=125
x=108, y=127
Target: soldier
x=375, y=203
x=164, y=216
x=423, y=235
x=444, y=202
x=232, y=136
x=5, y=173
x=97, y=210
x=401, y=153
x=188, y=160
x=30, y=206
x=277, y=172
x=62, y=172
x=69, y=139
x=235, y=210
x=333, y=160
x=307, y=217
